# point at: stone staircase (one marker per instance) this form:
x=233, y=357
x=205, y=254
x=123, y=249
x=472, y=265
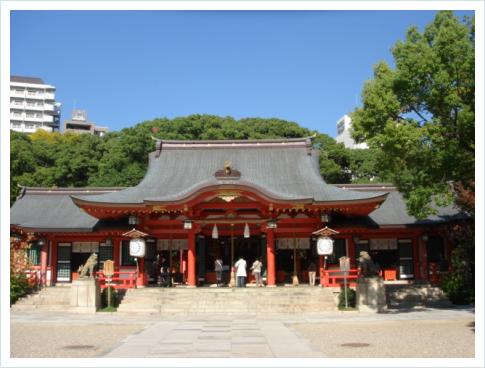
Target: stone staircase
x=227, y=301
x=48, y=298
x=416, y=295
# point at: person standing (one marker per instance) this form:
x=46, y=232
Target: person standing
x=165, y=273
x=156, y=270
x=218, y=268
x=256, y=270
x=240, y=272
x=312, y=273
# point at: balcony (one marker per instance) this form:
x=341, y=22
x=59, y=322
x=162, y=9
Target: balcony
x=49, y=96
x=33, y=119
x=48, y=107
x=18, y=106
x=19, y=117
x=43, y=119
x=15, y=93
x=35, y=107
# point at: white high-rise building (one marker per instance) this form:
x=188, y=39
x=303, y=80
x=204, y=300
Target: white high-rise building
x=33, y=105
x=344, y=125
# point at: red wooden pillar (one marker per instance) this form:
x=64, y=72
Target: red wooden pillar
x=142, y=279
x=417, y=274
x=43, y=263
x=423, y=258
x=351, y=253
x=191, y=277
x=117, y=252
x=54, y=262
x=320, y=267
x=181, y=261
x=270, y=259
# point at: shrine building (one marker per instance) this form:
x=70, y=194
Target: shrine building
x=202, y=200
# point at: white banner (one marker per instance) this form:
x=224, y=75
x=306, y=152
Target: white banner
x=85, y=247
x=383, y=244
x=289, y=243
x=164, y=244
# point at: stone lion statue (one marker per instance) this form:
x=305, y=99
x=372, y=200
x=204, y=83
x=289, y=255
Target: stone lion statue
x=88, y=267
x=366, y=265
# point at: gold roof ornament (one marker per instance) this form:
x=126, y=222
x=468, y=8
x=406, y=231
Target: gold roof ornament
x=135, y=234
x=326, y=231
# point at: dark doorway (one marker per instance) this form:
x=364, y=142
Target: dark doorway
x=436, y=252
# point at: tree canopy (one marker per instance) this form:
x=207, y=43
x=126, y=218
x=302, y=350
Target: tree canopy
x=121, y=158
x=419, y=116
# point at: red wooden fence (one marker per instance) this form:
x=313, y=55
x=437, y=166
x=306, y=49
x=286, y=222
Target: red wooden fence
x=120, y=280
x=335, y=278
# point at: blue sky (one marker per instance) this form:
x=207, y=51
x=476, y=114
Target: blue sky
x=125, y=67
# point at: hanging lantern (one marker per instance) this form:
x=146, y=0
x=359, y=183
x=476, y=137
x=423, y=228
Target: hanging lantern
x=324, y=246
x=215, y=233
x=246, y=231
x=137, y=247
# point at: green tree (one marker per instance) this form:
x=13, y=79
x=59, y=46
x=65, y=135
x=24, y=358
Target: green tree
x=420, y=117
x=120, y=158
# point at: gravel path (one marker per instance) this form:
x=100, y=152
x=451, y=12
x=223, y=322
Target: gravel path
x=415, y=339
x=47, y=340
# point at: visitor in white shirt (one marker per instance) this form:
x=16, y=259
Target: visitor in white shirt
x=241, y=272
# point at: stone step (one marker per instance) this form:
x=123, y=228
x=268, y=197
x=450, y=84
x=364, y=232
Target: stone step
x=228, y=301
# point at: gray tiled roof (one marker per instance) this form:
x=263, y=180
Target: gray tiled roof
x=52, y=210
x=284, y=170
x=393, y=210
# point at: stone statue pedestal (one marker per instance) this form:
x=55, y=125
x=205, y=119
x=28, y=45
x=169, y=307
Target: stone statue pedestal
x=85, y=295
x=371, y=295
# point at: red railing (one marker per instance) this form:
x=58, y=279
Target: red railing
x=335, y=278
x=120, y=280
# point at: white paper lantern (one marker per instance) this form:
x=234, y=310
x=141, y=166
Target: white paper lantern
x=137, y=247
x=324, y=246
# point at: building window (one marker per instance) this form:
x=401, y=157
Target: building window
x=30, y=103
x=29, y=126
x=64, y=262
x=32, y=92
x=340, y=127
x=17, y=102
x=38, y=115
x=105, y=253
x=16, y=124
x=34, y=254
x=126, y=259
x=406, y=262
x=17, y=113
x=30, y=114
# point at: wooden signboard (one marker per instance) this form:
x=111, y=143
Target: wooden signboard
x=108, y=268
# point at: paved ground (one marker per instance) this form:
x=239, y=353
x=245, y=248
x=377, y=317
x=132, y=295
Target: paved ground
x=47, y=340
x=391, y=339
x=420, y=333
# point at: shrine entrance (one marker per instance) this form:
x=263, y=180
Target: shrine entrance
x=229, y=252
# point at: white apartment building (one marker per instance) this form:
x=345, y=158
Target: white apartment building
x=344, y=125
x=33, y=105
